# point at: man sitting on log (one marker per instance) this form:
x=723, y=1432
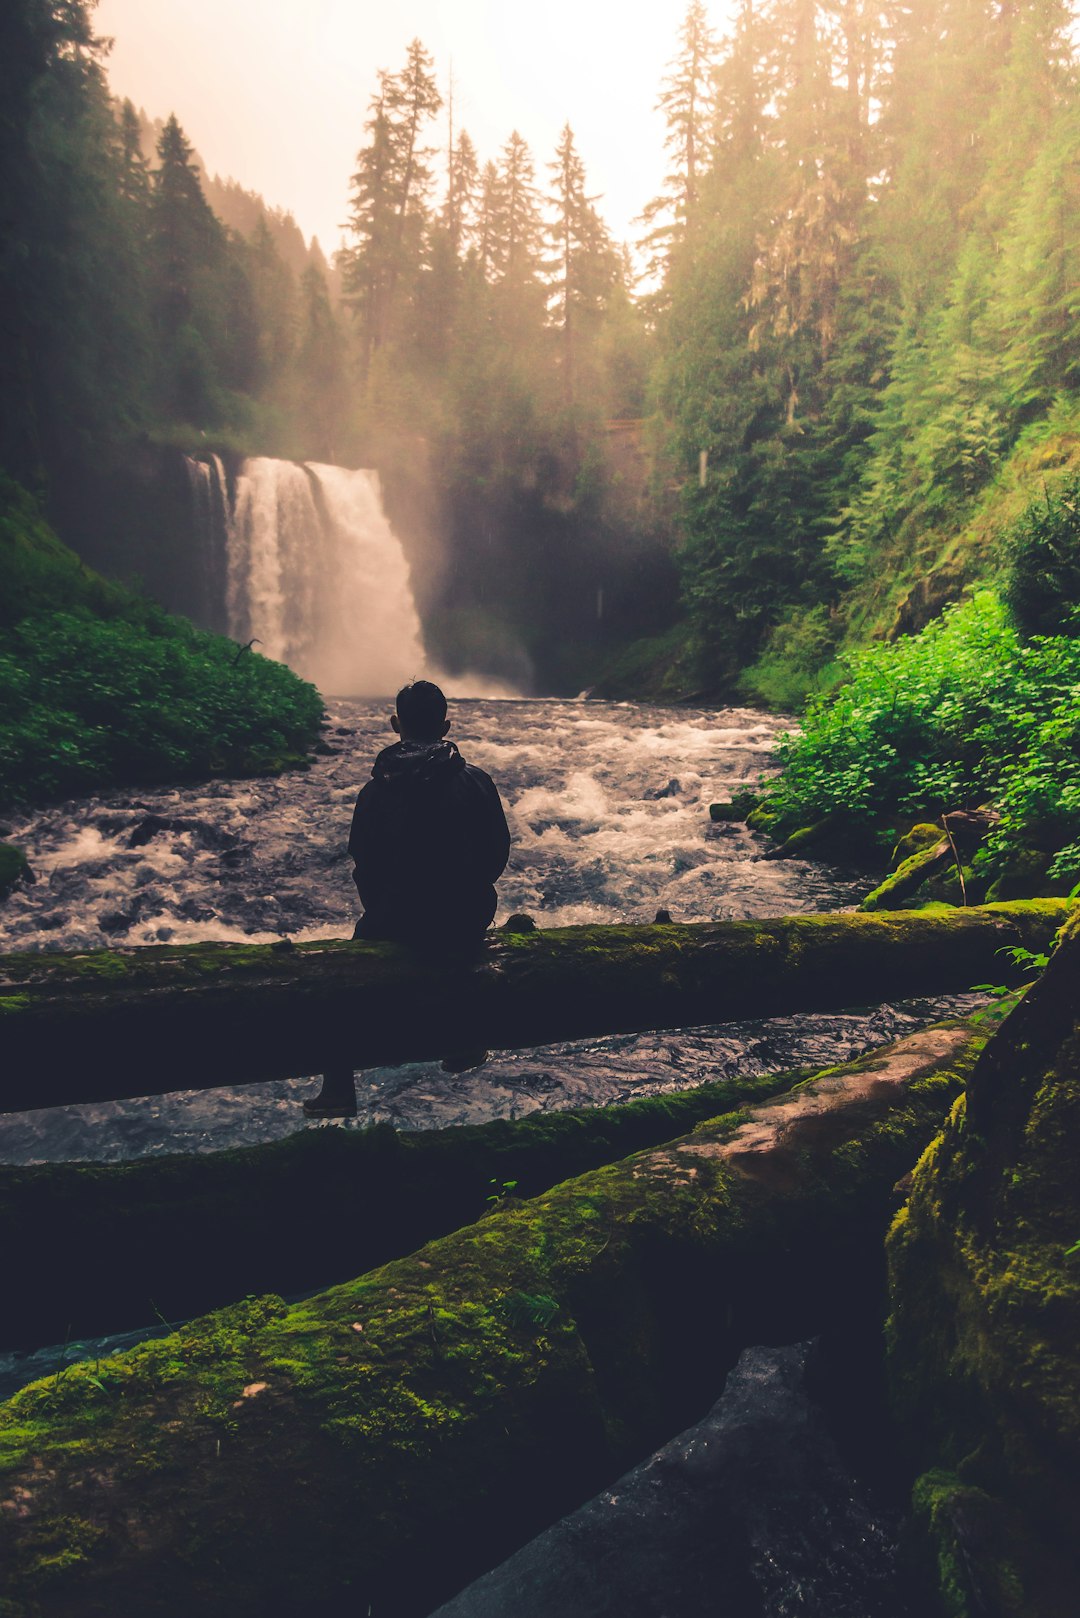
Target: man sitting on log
x=429, y=840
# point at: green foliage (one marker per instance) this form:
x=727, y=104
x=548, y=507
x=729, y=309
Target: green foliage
x=1042, y=578
x=1004, y=997
x=99, y=687
x=964, y=713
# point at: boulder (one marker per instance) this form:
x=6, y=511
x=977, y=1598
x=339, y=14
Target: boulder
x=923, y=835
x=751, y=1511
x=898, y=889
x=14, y=868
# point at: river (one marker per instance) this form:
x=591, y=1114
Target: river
x=608, y=806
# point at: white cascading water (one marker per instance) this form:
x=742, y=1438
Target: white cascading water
x=317, y=575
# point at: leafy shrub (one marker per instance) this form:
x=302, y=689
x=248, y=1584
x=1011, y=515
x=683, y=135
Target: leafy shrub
x=86, y=702
x=1042, y=574
x=99, y=687
x=964, y=713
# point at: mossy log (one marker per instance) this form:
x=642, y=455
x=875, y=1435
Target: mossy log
x=123, y=1244
x=114, y=1024
x=383, y=1442
x=985, y=1329
x=904, y=883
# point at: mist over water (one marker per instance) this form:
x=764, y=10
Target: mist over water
x=316, y=573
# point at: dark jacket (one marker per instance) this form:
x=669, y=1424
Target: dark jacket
x=429, y=839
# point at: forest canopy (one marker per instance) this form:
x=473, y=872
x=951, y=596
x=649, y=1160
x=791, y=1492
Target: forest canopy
x=782, y=422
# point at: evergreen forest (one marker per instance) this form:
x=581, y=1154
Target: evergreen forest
x=789, y=483
x=829, y=390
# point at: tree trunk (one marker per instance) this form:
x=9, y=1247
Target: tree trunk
x=115, y=1024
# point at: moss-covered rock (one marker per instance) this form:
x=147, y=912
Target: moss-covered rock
x=765, y=817
x=14, y=866
x=737, y=807
x=985, y=1328
x=384, y=1441
x=822, y=839
x=904, y=883
x=923, y=835
x=1025, y=875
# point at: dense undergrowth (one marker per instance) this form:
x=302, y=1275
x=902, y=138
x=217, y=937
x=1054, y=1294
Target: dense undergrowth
x=99, y=687
x=981, y=709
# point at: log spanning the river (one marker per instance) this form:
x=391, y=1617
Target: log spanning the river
x=374, y=1447
x=103, y=1026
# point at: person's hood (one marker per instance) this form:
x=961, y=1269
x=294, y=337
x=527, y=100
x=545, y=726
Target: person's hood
x=409, y=765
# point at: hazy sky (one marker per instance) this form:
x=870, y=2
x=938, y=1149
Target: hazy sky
x=274, y=93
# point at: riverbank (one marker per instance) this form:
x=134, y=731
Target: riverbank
x=99, y=687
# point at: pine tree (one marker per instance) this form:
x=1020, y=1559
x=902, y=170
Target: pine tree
x=741, y=92
x=462, y=193
x=135, y=177
x=585, y=265
x=388, y=212
x=807, y=250
x=516, y=234
x=686, y=102
x=489, y=211
x=275, y=301
x=321, y=375
x=187, y=235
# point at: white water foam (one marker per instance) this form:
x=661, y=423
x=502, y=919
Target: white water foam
x=318, y=577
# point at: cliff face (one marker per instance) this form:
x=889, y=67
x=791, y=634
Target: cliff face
x=985, y=1326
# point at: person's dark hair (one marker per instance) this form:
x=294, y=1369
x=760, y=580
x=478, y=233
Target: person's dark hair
x=421, y=708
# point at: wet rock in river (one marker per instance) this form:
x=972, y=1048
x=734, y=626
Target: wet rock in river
x=119, y=921
x=750, y=1514
x=145, y=830
x=14, y=868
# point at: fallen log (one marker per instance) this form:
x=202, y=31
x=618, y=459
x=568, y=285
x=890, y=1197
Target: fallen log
x=114, y=1024
x=123, y=1244
x=382, y=1443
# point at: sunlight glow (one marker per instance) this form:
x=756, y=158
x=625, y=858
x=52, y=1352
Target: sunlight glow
x=273, y=93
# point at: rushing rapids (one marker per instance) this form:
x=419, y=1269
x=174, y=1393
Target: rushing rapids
x=608, y=804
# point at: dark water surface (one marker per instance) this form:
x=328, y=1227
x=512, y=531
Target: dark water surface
x=608, y=805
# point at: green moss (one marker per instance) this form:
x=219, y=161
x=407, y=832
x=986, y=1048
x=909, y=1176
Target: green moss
x=909, y=876
x=954, y=1516
x=459, y=1396
x=922, y=836
x=985, y=1323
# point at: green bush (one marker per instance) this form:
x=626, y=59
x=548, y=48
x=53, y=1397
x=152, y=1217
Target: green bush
x=964, y=713
x=1042, y=562
x=98, y=687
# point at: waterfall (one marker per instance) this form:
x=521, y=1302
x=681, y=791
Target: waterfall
x=316, y=573
x=211, y=523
